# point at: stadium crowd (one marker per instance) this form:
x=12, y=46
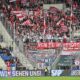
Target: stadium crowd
x=32, y=24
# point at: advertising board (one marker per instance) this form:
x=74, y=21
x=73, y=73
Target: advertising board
x=75, y=72
x=21, y=73
x=56, y=72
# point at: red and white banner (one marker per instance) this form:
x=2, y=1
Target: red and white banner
x=16, y=12
x=20, y=16
x=73, y=46
x=19, y=12
x=70, y=46
x=46, y=45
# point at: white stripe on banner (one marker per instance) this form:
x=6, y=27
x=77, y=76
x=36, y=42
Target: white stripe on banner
x=12, y=0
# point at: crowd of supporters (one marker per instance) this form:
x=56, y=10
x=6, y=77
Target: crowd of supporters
x=7, y=57
x=12, y=63
x=31, y=23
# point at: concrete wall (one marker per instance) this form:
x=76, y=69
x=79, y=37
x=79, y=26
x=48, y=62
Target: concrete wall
x=6, y=37
x=2, y=64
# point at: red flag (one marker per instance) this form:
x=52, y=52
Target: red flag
x=27, y=22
